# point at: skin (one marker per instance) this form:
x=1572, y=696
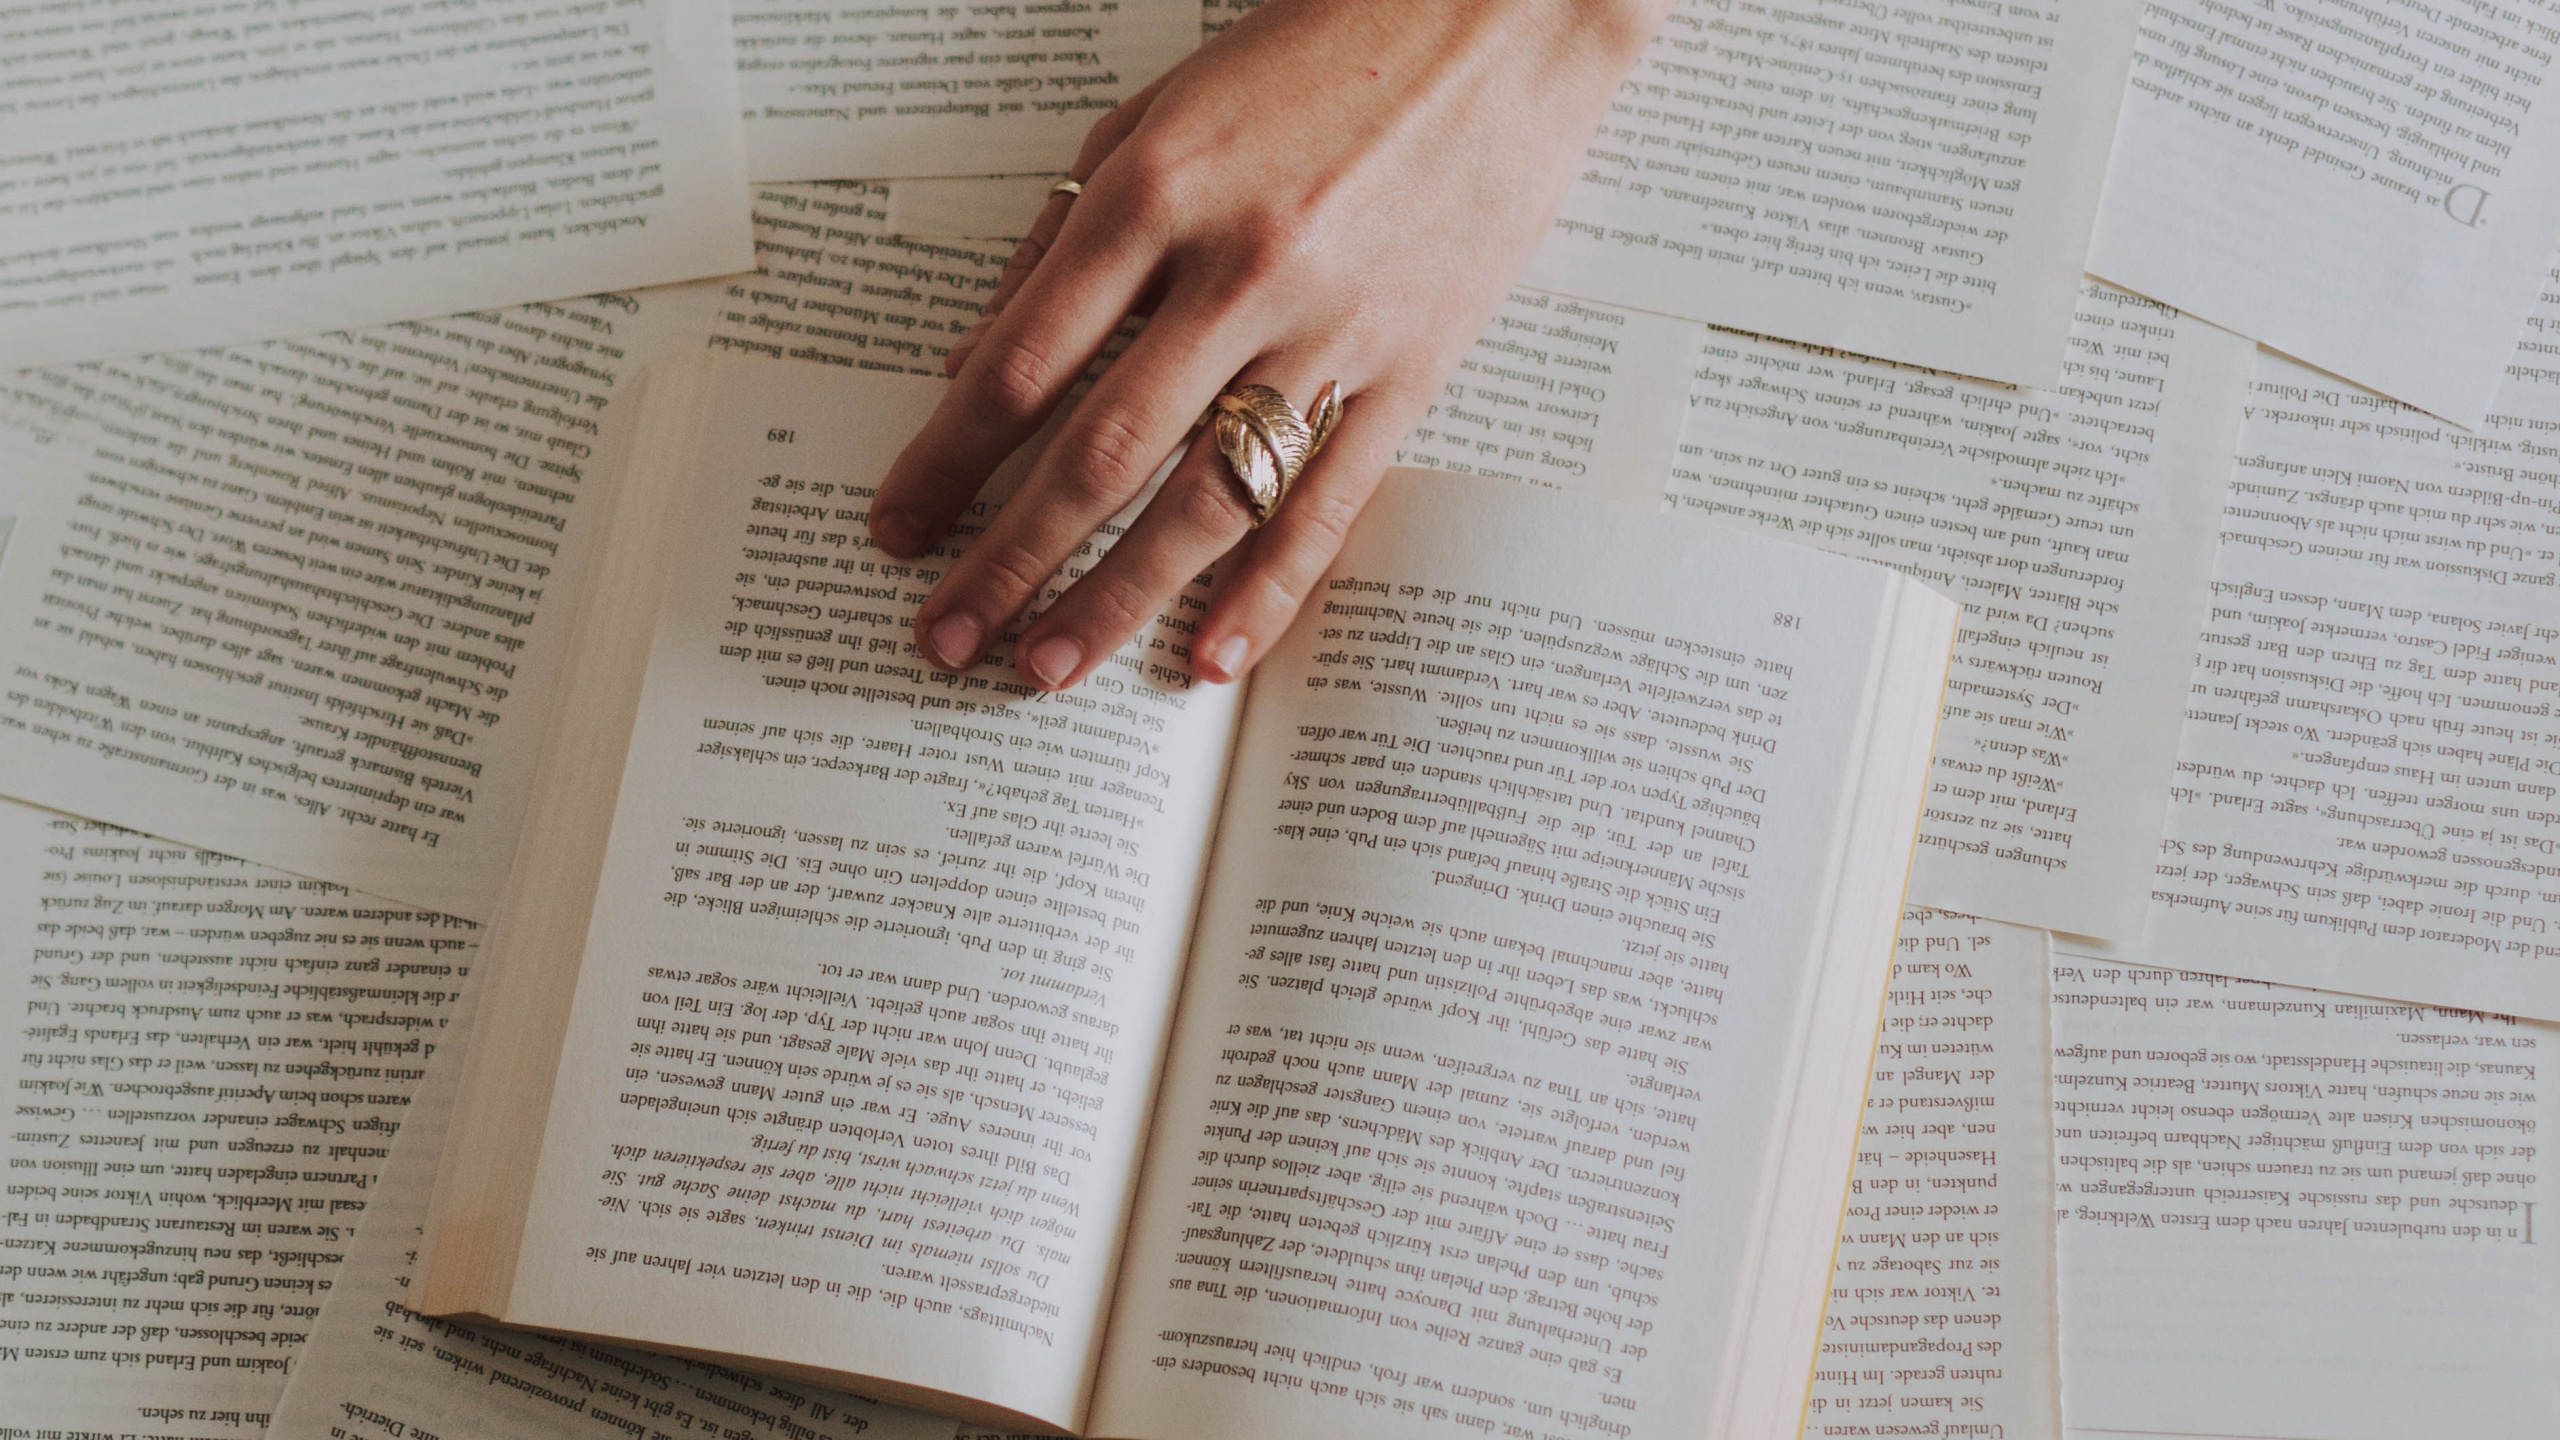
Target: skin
x=1329, y=190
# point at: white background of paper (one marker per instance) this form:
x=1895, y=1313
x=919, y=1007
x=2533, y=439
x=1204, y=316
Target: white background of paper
x=209, y=1060
x=2263, y=1197
x=207, y=174
x=1916, y=184
x=1942, y=1299
x=2373, y=190
x=2075, y=524
x=837, y=91
x=2366, y=786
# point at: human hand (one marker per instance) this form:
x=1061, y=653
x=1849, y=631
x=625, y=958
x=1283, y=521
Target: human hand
x=1330, y=190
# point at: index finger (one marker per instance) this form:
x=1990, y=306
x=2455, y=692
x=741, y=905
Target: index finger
x=1029, y=359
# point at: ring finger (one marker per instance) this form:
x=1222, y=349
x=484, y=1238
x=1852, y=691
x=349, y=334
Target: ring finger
x=1099, y=459
x=1198, y=515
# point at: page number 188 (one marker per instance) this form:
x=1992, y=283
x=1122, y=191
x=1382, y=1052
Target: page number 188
x=1785, y=621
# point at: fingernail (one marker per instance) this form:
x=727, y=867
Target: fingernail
x=1227, y=657
x=898, y=533
x=955, y=641
x=1053, y=660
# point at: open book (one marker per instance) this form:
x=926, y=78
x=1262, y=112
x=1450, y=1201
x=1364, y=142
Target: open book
x=1468, y=1021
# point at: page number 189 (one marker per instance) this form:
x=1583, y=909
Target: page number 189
x=1785, y=621
x=780, y=436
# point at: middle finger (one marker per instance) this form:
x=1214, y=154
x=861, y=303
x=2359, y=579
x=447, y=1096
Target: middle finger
x=1199, y=515
x=1101, y=457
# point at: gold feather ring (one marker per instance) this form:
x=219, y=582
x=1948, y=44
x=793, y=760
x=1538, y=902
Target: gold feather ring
x=1268, y=444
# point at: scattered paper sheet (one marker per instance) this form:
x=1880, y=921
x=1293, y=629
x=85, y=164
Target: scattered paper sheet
x=204, y=177
x=210, y=1061
x=969, y=207
x=461, y=450
x=2077, y=527
x=302, y=601
x=836, y=286
x=1564, y=394
x=1916, y=184
x=2372, y=190
x=1942, y=1298
x=378, y=1370
x=832, y=92
x=2293, y=1213
x=2366, y=783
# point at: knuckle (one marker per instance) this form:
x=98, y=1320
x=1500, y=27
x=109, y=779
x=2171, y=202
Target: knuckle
x=1014, y=380
x=1145, y=194
x=1272, y=599
x=1119, y=606
x=1276, y=242
x=1009, y=571
x=1266, y=245
x=1102, y=462
x=1104, y=135
x=1213, y=508
x=1318, y=526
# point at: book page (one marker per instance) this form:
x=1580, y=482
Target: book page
x=896, y=949
x=1916, y=184
x=1942, y=1295
x=377, y=1369
x=833, y=284
x=2299, y=1213
x=213, y=172
x=2368, y=796
x=871, y=89
x=1491, y=1001
x=969, y=206
x=1217, y=15
x=210, y=1060
x=2077, y=527
x=303, y=601
x=2372, y=190
x=1565, y=395
x=517, y=403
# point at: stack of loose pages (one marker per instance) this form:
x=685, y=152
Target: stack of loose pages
x=2208, y=353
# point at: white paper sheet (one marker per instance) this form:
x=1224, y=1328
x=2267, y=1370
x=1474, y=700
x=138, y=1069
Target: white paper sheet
x=302, y=601
x=379, y=1370
x=1915, y=182
x=872, y=89
x=212, y=172
x=2368, y=796
x=842, y=763
x=209, y=1060
x=2076, y=525
x=437, y=416
x=2300, y=1214
x=1565, y=1103
x=1567, y=395
x=835, y=285
x=969, y=207
x=1942, y=1300
x=2372, y=189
